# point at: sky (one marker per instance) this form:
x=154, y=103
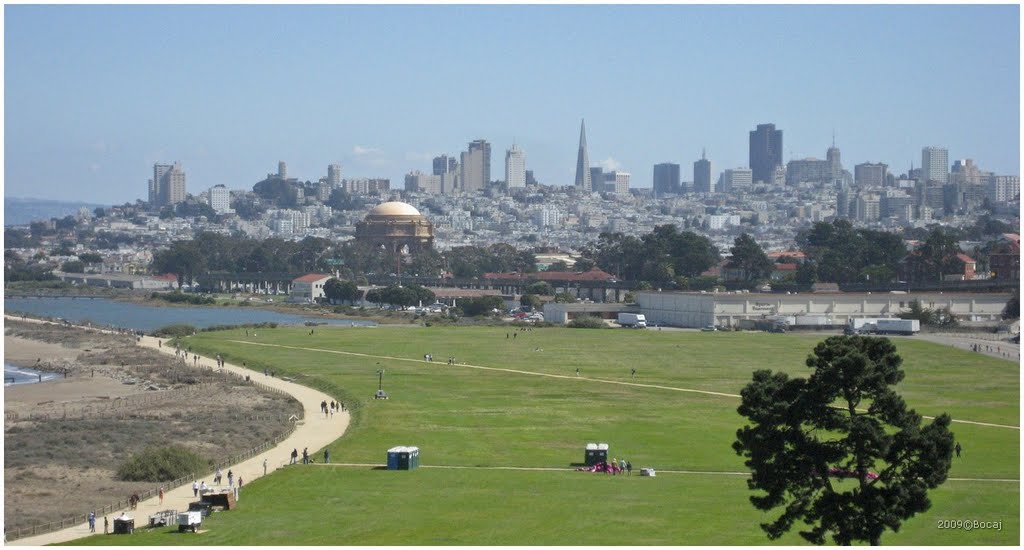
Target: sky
x=95, y=95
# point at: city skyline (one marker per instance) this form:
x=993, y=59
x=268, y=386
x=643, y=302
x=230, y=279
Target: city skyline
x=229, y=115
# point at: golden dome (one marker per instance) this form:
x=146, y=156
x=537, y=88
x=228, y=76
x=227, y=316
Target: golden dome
x=394, y=209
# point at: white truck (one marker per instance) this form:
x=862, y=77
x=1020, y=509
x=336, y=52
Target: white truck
x=633, y=320
x=882, y=325
x=906, y=327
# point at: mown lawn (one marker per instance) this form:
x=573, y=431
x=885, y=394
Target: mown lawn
x=543, y=416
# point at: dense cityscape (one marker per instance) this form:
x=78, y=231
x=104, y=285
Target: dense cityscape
x=770, y=200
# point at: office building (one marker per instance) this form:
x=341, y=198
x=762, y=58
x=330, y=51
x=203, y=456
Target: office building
x=871, y=174
x=583, y=181
x=734, y=180
x=476, y=166
x=935, y=164
x=596, y=179
x=444, y=164
x=666, y=179
x=515, y=168
x=418, y=182
x=765, y=152
x=616, y=182
x=702, y=174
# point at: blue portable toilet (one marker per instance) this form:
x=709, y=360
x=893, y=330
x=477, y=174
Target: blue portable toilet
x=403, y=458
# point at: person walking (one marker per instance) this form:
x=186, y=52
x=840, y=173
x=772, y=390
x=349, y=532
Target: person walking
x=629, y=468
x=327, y=455
x=622, y=464
x=577, y=371
x=264, y=469
x=239, y=483
x=106, y=525
x=161, y=496
x=195, y=488
x=231, y=479
x=632, y=373
x=217, y=476
x=958, y=448
x=305, y=455
x=295, y=455
x=92, y=522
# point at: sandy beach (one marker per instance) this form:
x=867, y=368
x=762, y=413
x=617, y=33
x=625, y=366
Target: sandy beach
x=24, y=352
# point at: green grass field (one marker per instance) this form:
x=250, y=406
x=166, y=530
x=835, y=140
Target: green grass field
x=527, y=408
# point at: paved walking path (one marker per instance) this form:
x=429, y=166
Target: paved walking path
x=565, y=376
x=315, y=432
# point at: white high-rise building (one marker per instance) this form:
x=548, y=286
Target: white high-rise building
x=282, y=169
x=734, y=179
x=1003, y=188
x=220, y=199
x=515, y=167
x=935, y=164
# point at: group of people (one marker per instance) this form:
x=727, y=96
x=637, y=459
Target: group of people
x=329, y=408
x=611, y=467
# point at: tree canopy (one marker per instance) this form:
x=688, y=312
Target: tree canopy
x=807, y=434
x=750, y=257
x=842, y=254
x=660, y=256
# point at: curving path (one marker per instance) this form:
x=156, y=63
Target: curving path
x=314, y=432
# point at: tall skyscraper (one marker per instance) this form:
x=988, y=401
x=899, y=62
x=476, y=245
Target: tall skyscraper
x=835, y=164
x=702, y=174
x=935, y=164
x=476, y=166
x=334, y=175
x=583, y=182
x=596, y=179
x=765, y=152
x=666, y=179
x=282, y=170
x=168, y=185
x=515, y=167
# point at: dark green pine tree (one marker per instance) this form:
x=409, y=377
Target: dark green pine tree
x=839, y=451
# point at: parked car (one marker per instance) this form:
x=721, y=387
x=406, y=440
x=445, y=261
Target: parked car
x=709, y=328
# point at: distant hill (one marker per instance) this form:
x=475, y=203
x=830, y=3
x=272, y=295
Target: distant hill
x=19, y=211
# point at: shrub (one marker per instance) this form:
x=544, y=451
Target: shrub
x=161, y=464
x=175, y=331
x=586, y=321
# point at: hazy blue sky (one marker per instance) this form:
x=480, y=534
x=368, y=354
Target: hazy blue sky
x=94, y=95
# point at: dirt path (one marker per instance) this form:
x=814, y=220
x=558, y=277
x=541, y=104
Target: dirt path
x=315, y=432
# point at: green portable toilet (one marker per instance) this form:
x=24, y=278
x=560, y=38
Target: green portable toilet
x=596, y=453
x=403, y=458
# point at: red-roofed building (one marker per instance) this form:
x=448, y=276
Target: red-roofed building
x=782, y=271
x=970, y=266
x=308, y=288
x=795, y=255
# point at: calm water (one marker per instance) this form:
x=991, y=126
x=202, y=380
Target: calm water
x=21, y=375
x=104, y=311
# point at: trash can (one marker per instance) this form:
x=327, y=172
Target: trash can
x=124, y=525
x=403, y=458
x=596, y=453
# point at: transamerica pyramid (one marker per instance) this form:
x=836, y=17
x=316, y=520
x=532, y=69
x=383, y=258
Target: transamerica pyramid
x=583, y=162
